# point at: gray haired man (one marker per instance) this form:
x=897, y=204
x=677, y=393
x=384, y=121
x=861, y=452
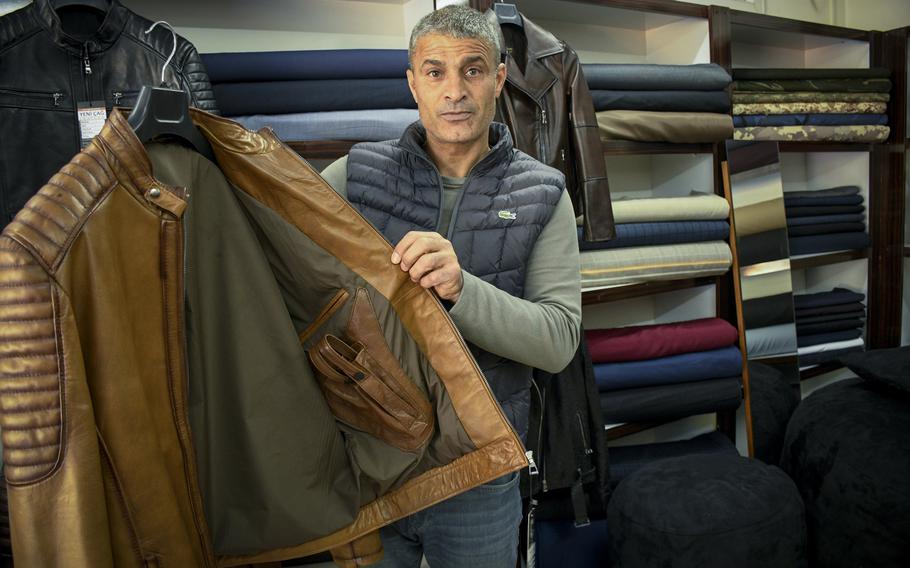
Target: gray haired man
x=492, y=231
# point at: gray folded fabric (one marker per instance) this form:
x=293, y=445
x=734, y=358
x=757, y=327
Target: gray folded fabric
x=678, y=127
x=685, y=101
x=807, y=97
x=360, y=125
x=634, y=77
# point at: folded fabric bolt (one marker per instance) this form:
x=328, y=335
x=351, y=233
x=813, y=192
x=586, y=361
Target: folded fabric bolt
x=828, y=356
x=842, y=307
x=360, y=125
x=826, y=210
x=805, y=329
x=771, y=340
x=867, y=133
x=248, y=67
x=639, y=342
x=677, y=127
x=809, y=108
x=659, y=233
x=687, y=101
x=626, y=460
x=681, y=368
x=829, y=192
x=808, y=201
x=768, y=311
x=662, y=262
x=695, y=207
x=825, y=229
x=835, y=296
x=634, y=77
x=761, y=247
x=817, y=73
x=814, y=244
x=807, y=97
x=822, y=219
x=875, y=85
x=667, y=402
x=285, y=97
x=828, y=337
x=851, y=315
x=833, y=119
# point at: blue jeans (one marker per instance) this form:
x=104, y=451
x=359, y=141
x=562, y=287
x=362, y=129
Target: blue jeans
x=477, y=529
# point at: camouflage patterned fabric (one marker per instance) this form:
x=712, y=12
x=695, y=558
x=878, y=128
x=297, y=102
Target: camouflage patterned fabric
x=810, y=108
x=814, y=133
x=831, y=85
x=809, y=97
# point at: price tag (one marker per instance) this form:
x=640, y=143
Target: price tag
x=91, y=116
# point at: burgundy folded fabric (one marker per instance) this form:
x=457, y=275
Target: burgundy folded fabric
x=640, y=342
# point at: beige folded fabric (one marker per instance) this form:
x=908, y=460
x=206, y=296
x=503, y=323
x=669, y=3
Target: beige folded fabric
x=651, y=126
x=695, y=207
x=811, y=108
x=808, y=97
x=856, y=133
x=664, y=262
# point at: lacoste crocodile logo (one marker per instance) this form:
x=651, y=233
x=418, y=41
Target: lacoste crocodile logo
x=509, y=215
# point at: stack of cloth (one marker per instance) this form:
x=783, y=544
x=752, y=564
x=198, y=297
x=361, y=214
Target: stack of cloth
x=663, y=238
x=828, y=325
x=626, y=460
x=825, y=220
x=666, y=371
x=344, y=94
x=833, y=105
x=661, y=103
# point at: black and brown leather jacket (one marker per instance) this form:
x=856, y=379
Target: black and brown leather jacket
x=548, y=109
x=216, y=364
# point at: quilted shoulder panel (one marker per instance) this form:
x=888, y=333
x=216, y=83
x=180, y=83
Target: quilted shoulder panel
x=30, y=379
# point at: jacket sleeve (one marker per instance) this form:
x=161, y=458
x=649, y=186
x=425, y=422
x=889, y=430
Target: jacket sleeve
x=593, y=191
x=52, y=461
x=196, y=79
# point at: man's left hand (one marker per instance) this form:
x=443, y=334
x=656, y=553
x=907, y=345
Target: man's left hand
x=430, y=261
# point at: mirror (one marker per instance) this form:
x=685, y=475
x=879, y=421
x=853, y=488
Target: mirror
x=764, y=291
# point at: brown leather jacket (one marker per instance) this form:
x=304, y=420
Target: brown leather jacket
x=122, y=448
x=548, y=109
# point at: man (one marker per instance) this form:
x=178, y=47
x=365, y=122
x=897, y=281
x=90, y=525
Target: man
x=492, y=231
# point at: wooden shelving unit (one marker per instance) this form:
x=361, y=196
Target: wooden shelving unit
x=642, y=289
x=827, y=259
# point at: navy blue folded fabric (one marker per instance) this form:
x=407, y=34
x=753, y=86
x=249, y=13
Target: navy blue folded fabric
x=251, y=67
x=821, y=200
x=819, y=219
x=634, y=77
x=830, y=192
x=723, y=362
x=824, y=210
x=826, y=356
x=803, y=329
x=814, y=244
x=798, y=73
x=668, y=402
x=762, y=247
x=827, y=337
x=626, y=460
x=660, y=233
x=825, y=229
x=830, y=119
x=833, y=297
x=768, y=311
x=678, y=101
x=842, y=306
x=859, y=314
x=285, y=97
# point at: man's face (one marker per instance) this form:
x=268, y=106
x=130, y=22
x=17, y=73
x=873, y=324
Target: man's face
x=455, y=83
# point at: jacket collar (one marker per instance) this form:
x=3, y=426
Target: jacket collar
x=107, y=34
x=537, y=77
x=414, y=141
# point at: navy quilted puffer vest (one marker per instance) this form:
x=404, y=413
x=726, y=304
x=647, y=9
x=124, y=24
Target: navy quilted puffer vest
x=507, y=199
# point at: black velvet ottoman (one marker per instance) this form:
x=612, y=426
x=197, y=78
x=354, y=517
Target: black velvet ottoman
x=848, y=449
x=705, y=511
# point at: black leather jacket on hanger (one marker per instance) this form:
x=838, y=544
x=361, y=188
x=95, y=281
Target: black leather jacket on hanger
x=48, y=67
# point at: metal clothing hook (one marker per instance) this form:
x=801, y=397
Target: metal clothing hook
x=173, y=51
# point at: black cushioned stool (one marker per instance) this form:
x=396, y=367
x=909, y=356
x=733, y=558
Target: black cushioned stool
x=707, y=511
x=848, y=449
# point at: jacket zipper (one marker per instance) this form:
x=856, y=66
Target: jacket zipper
x=117, y=96
x=86, y=71
x=451, y=228
x=542, y=135
x=55, y=96
x=542, y=398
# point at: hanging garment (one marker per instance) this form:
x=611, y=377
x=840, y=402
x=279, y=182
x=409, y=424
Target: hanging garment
x=220, y=366
x=547, y=107
x=47, y=70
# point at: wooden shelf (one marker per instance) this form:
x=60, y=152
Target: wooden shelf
x=630, y=147
x=779, y=24
x=643, y=289
x=633, y=428
x=827, y=259
x=322, y=149
x=819, y=370
x=825, y=146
